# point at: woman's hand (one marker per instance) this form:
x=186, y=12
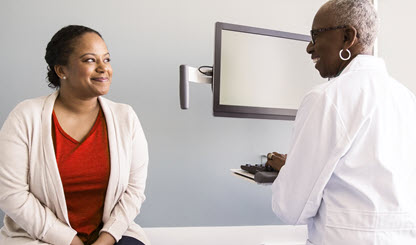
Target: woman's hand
x=105, y=239
x=276, y=160
x=77, y=241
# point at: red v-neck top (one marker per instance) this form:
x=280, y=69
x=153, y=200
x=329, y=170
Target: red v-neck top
x=85, y=169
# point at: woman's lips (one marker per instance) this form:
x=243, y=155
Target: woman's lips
x=100, y=79
x=315, y=61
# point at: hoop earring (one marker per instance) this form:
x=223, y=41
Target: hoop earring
x=342, y=58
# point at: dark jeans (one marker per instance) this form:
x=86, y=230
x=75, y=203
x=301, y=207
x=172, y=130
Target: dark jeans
x=126, y=240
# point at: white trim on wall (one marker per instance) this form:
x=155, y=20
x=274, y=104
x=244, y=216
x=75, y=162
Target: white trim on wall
x=375, y=48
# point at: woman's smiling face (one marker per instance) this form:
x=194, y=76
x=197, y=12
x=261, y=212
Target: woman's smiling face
x=327, y=44
x=88, y=71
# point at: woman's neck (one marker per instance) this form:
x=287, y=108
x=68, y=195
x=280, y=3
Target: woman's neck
x=74, y=104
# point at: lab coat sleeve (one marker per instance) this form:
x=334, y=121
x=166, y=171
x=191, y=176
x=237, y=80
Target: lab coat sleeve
x=128, y=206
x=16, y=200
x=319, y=141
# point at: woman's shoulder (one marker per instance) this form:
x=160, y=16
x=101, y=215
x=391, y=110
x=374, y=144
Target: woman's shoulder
x=123, y=113
x=26, y=114
x=31, y=106
x=316, y=92
x=116, y=107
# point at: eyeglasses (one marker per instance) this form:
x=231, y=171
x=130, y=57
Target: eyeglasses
x=315, y=32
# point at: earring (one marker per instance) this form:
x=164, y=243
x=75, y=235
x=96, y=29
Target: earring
x=342, y=58
x=64, y=77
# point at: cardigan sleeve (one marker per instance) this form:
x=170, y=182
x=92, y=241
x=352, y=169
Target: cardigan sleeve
x=16, y=199
x=129, y=204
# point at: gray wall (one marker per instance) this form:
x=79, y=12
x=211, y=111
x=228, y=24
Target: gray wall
x=396, y=39
x=191, y=152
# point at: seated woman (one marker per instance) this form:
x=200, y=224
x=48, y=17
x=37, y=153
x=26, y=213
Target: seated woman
x=73, y=165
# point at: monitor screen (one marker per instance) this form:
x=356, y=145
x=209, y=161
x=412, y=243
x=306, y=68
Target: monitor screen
x=260, y=73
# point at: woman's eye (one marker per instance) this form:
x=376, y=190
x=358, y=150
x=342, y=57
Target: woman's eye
x=89, y=60
x=107, y=60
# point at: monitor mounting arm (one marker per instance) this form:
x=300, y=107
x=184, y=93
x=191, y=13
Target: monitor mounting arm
x=190, y=74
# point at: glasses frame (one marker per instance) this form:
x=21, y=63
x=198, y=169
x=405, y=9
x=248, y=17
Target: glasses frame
x=315, y=32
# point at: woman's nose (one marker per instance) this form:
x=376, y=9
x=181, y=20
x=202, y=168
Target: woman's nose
x=309, y=48
x=102, y=67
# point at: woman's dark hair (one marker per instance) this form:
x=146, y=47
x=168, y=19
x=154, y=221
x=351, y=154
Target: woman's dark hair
x=59, y=49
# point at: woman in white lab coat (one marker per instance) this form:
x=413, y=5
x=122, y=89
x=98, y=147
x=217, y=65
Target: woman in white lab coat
x=350, y=173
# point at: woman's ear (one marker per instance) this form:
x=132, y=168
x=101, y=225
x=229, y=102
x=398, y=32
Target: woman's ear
x=59, y=70
x=350, y=36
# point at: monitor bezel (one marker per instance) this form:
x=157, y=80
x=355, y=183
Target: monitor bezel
x=247, y=111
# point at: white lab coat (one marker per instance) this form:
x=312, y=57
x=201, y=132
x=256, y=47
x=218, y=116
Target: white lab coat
x=350, y=174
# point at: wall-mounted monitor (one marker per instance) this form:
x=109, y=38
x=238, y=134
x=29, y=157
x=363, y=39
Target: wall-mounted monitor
x=260, y=73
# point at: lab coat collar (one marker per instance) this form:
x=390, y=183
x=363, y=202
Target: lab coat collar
x=364, y=62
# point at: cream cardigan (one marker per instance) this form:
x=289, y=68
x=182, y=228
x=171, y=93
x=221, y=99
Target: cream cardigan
x=31, y=192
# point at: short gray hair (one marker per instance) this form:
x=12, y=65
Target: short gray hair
x=361, y=14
